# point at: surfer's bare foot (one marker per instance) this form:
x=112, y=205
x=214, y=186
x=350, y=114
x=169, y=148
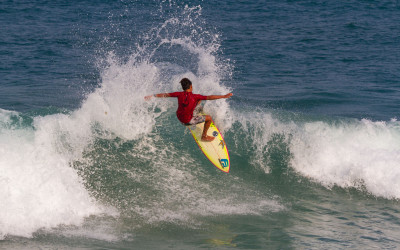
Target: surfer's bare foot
x=207, y=138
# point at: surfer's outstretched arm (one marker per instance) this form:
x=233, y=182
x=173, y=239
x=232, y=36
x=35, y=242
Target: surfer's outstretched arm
x=208, y=120
x=216, y=97
x=157, y=95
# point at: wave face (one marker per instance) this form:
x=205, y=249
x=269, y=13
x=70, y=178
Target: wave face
x=332, y=152
x=119, y=155
x=118, y=163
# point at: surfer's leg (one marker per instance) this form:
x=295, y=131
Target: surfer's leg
x=207, y=124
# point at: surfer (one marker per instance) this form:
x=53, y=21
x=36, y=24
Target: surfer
x=187, y=102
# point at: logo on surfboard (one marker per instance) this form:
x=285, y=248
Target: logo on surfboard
x=224, y=162
x=222, y=144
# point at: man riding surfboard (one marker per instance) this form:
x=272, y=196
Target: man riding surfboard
x=187, y=102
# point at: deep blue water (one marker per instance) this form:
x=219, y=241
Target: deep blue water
x=312, y=128
x=322, y=57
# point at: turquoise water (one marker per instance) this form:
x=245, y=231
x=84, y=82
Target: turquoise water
x=312, y=127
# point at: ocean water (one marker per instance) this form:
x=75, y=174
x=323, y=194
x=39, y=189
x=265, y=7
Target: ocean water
x=312, y=129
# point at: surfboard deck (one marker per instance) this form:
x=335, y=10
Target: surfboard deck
x=216, y=150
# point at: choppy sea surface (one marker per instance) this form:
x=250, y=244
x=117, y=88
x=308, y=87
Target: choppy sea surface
x=312, y=129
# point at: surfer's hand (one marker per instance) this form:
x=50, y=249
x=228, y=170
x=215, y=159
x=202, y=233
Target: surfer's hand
x=228, y=95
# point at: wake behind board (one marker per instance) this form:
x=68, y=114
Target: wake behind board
x=215, y=150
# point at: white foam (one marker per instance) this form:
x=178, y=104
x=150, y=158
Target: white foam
x=346, y=153
x=350, y=154
x=38, y=187
x=118, y=106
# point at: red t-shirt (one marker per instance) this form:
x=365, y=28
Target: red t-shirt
x=187, y=102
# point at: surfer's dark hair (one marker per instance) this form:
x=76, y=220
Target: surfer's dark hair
x=186, y=83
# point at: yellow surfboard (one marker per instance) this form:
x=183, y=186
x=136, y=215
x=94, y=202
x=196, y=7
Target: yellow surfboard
x=216, y=150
